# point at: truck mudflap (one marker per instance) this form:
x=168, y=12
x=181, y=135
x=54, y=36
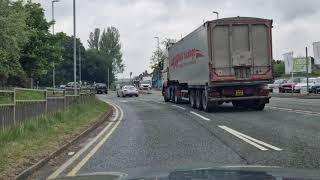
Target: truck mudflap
x=239, y=98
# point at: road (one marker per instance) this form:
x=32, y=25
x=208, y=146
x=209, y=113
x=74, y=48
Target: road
x=153, y=134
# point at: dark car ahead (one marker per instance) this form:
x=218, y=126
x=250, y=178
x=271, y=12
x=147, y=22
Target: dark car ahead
x=101, y=88
x=315, y=88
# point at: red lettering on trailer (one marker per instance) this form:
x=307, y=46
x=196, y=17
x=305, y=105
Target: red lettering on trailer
x=195, y=54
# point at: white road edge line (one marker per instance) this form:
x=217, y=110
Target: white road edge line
x=179, y=107
x=79, y=153
x=252, y=139
x=207, y=119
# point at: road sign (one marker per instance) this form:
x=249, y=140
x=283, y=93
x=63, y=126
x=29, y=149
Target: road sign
x=300, y=65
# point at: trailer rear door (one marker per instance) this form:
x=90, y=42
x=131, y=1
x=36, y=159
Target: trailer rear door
x=241, y=51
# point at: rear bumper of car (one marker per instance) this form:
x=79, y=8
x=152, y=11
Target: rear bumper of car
x=130, y=93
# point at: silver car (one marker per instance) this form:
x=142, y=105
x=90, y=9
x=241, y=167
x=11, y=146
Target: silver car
x=127, y=91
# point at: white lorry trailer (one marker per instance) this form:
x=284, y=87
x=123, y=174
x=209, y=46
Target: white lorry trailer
x=224, y=60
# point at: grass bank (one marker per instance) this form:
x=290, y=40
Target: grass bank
x=6, y=100
x=30, y=95
x=33, y=140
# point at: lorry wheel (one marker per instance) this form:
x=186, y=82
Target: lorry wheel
x=192, y=99
x=198, y=100
x=206, y=105
x=177, y=99
x=165, y=95
x=237, y=104
x=259, y=107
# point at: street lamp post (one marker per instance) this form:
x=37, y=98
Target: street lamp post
x=217, y=13
x=80, y=80
x=158, y=49
x=53, y=64
x=74, y=49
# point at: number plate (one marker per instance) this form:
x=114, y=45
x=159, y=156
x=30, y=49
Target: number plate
x=239, y=92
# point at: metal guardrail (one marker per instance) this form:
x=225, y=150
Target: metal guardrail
x=19, y=110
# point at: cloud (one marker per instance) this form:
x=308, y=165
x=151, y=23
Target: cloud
x=139, y=21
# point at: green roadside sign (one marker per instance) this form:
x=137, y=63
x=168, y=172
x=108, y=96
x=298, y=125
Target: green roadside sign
x=300, y=64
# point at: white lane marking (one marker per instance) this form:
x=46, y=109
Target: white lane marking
x=286, y=109
x=124, y=101
x=79, y=153
x=251, y=139
x=179, y=107
x=76, y=169
x=244, y=139
x=255, y=140
x=207, y=119
x=296, y=111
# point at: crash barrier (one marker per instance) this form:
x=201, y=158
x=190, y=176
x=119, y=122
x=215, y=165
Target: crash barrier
x=20, y=104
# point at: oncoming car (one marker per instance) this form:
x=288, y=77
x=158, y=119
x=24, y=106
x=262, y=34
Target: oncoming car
x=127, y=91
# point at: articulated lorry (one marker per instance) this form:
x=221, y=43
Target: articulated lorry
x=224, y=60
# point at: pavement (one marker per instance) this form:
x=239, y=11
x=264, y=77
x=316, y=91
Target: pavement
x=152, y=134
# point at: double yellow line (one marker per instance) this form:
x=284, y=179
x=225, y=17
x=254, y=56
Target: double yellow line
x=105, y=133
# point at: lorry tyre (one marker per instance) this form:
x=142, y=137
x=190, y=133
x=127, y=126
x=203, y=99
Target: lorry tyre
x=259, y=107
x=192, y=99
x=237, y=104
x=165, y=95
x=198, y=99
x=177, y=99
x=206, y=105
x=172, y=94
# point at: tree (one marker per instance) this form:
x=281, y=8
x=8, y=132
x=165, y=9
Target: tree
x=278, y=68
x=42, y=48
x=96, y=67
x=64, y=69
x=94, y=39
x=104, y=54
x=12, y=37
x=158, y=57
x=110, y=47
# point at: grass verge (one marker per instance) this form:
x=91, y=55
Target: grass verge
x=29, y=95
x=6, y=100
x=33, y=140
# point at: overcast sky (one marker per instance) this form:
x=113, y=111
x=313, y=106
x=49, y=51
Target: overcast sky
x=296, y=22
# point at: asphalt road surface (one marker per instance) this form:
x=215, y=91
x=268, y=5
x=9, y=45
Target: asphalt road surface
x=152, y=134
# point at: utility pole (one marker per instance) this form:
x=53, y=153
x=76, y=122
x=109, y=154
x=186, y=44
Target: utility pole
x=158, y=50
x=307, y=61
x=217, y=13
x=108, y=79
x=80, y=80
x=53, y=64
x=74, y=49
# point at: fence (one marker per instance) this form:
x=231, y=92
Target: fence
x=19, y=104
